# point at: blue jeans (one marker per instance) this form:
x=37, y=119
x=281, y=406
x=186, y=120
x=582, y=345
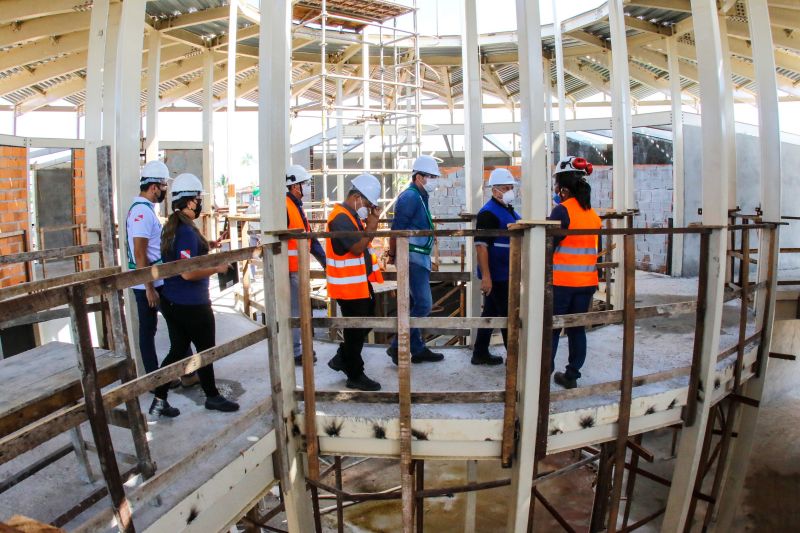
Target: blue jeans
x=148, y=323
x=566, y=301
x=419, y=279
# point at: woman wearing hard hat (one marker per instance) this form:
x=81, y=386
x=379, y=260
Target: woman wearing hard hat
x=350, y=268
x=574, y=260
x=185, y=303
x=493, y=258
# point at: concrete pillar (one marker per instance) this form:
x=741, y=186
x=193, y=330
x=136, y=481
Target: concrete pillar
x=562, y=99
x=770, y=170
x=622, y=135
x=208, y=133
x=676, y=99
x=715, y=186
x=473, y=136
x=153, y=80
x=730, y=126
x=273, y=155
x=534, y=179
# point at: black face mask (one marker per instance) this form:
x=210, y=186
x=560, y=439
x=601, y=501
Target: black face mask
x=162, y=194
x=198, y=208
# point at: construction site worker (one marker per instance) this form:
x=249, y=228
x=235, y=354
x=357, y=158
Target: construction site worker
x=574, y=260
x=185, y=301
x=412, y=212
x=143, y=229
x=350, y=267
x=493, y=260
x=298, y=185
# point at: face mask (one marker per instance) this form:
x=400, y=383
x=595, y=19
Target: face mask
x=430, y=187
x=161, y=195
x=198, y=208
x=556, y=198
x=508, y=197
x=305, y=190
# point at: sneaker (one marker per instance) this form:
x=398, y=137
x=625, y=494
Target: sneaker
x=486, y=359
x=561, y=379
x=362, y=382
x=336, y=363
x=190, y=380
x=221, y=403
x=427, y=356
x=161, y=407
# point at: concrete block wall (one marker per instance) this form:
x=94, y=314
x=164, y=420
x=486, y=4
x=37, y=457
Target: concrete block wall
x=13, y=210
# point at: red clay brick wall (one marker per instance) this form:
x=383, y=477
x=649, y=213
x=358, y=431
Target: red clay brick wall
x=79, y=194
x=13, y=210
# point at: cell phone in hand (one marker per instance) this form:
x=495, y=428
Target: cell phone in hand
x=229, y=278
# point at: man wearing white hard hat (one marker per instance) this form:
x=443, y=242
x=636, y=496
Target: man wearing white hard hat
x=412, y=212
x=350, y=269
x=493, y=260
x=143, y=229
x=298, y=185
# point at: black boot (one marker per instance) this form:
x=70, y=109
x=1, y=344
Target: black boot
x=161, y=407
x=486, y=359
x=426, y=356
x=337, y=363
x=362, y=382
x=391, y=351
x=221, y=403
x=562, y=379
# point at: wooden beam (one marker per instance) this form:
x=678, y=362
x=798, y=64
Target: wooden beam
x=21, y=10
x=45, y=48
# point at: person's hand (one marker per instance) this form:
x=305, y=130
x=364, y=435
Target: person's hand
x=152, y=297
x=387, y=258
x=486, y=285
x=434, y=266
x=214, y=244
x=372, y=219
x=221, y=269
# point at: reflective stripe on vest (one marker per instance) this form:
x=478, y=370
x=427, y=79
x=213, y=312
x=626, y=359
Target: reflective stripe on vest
x=346, y=273
x=295, y=222
x=376, y=275
x=575, y=258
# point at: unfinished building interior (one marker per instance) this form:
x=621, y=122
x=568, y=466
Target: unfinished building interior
x=685, y=418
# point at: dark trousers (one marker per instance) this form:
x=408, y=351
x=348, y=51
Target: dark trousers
x=566, y=301
x=494, y=304
x=189, y=324
x=350, y=348
x=148, y=323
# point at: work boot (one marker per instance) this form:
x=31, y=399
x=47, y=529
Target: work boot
x=337, y=363
x=561, y=379
x=391, y=351
x=426, y=356
x=161, y=407
x=362, y=382
x=190, y=380
x=221, y=403
x=486, y=359
x=174, y=384
x=298, y=359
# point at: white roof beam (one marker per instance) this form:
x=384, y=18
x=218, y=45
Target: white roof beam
x=20, y=10
x=684, y=6
x=784, y=39
x=57, y=92
x=587, y=75
x=195, y=86
x=185, y=20
x=647, y=26
x=57, y=67
x=30, y=53
x=784, y=18
x=39, y=28
x=186, y=37
x=589, y=38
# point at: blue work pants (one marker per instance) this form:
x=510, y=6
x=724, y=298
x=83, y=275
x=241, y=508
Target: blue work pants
x=567, y=301
x=419, y=279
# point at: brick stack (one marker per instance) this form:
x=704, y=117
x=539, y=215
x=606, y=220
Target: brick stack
x=79, y=194
x=13, y=211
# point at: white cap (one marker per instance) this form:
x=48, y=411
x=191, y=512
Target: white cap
x=296, y=174
x=369, y=187
x=154, y=172
x=574, y=164
x=426, y=164
x=186, y=186
x=501, y=176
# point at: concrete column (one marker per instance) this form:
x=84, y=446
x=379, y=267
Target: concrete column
x=715, y=186
x=367, y=156
x=534, y=179
x=153, y=80
x=730, y=127
x=678, y=209
x=273, y=155
x=208, y=132
x=770, y=170
x=548, y=120
x=562, y=99
x=108, y=89
x=340, y=192
x=473, y=136
x=622, y=135
x=231, y=92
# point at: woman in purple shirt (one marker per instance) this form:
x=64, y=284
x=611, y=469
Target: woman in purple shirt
x=185, y=303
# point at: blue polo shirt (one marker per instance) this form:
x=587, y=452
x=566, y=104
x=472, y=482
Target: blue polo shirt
x=176, y=289
x=411, y=212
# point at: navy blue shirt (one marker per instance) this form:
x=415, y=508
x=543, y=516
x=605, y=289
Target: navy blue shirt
x=176, y=289
x=561, y=214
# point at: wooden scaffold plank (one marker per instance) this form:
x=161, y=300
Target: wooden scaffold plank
x=404, y=378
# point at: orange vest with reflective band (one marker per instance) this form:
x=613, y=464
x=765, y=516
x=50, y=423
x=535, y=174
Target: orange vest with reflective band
x=295, y=222
x=347, y=273
x=376, y=275
x=575, y=258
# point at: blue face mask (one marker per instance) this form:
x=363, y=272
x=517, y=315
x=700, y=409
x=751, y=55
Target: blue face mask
x=556, y=198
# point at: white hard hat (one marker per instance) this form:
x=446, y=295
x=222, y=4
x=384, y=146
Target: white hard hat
x=369, y=187
x=154, y=172
x=186, y=186
x=574, y=164
x=296, y=174
x=426, y=164
x=501, y=176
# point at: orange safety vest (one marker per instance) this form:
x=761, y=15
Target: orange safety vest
x=347, y=273
x=376, y=275
x=295, y=222
x=575, y=258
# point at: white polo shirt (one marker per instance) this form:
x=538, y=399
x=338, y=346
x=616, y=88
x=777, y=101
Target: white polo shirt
x=142, y=222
